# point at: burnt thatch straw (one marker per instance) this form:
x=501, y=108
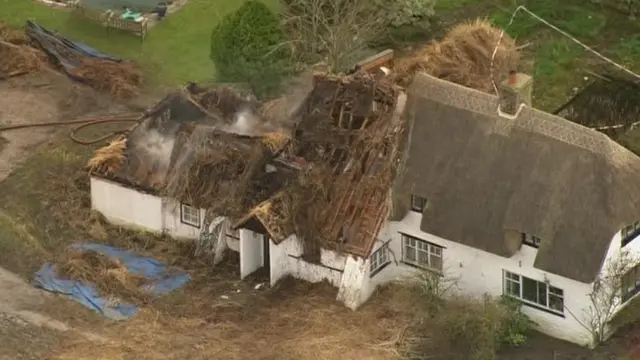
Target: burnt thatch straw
x=215, y=170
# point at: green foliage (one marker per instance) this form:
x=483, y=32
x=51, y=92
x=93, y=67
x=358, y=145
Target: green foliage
x=515, y=324
x=399, y=13
x=248, y=46
x=578, y=21
x=478, y=328
x=555, y=57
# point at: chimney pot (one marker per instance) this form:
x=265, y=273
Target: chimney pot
x=514, y=91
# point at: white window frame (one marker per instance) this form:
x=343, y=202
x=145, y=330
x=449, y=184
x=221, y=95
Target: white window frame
x=531, y=240
x=379, y=259
x=418, y=203
x=419, y=246
x=511, y=280
x=628, y=233
x=630, y=283
x=190, y=215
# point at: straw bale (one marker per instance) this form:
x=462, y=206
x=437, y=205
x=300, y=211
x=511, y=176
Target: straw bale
x=13, y=36
x=274, y=140
x=463, y=56
x=121, y=79
x=109, y=159
x=110, y=277
x=19, y=59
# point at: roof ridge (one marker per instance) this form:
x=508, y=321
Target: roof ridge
x=530, y=119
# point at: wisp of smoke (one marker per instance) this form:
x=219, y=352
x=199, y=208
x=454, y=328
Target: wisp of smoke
x=157, y=148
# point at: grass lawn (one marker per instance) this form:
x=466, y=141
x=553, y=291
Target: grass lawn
x=175, y=51
x=558, y=63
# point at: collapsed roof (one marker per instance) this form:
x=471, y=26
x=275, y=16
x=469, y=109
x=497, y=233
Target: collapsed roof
x=325, y=178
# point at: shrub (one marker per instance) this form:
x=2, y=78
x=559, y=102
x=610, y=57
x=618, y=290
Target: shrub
x=415, y=13
x=247, y=46
x=468, y=329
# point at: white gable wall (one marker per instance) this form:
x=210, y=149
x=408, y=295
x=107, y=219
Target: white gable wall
x=286, y=259
x=479, y=272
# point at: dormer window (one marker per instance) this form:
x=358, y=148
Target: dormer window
x=630, y=232
x=418, y=203
x=531, y=240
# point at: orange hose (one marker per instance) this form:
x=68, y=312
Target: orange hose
x=84, y=123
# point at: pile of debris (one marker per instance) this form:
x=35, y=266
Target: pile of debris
x=464, y=56
x=36, y=48
x=16, y=56
x=344, y=150
x=110, y=277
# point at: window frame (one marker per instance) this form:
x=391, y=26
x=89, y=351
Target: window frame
x=186, y=215
x=418, y=203
x=531, y=240
x=627, y=236
x=430, y=250
x=630, y=292
x=551, y=292
x=380, y=258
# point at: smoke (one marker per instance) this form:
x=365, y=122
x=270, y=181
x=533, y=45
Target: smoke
x=245, y=122
x=157, y=149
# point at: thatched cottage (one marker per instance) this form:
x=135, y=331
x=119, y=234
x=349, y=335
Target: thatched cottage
x=504, y=198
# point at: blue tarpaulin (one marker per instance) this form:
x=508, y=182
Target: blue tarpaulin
x=62, y=51
x=162, y=280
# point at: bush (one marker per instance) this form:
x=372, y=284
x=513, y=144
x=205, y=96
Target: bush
x=415, y=13
x=247, y=46
x=468, y=329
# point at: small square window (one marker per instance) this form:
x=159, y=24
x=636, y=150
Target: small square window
x=418, y=203
x=531, y=240
x=190, y=215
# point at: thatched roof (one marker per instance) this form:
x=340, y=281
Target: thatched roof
x=344, y=144
x=610, y=104
x=538, y=174
x=189, y=148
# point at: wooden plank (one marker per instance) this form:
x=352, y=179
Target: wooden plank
x=375, y=61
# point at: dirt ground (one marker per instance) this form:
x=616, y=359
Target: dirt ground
x=38, y=98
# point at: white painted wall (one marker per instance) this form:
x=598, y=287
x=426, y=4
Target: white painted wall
x=173, y=224
x=632, y=249
x=125, y=206
x=251, y=252
x=286, y=260
x=479, y=272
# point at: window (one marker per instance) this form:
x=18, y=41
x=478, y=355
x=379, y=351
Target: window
x=418, y=203
x=379, y=259
x=531, y=240
x=631, y=283
x=190, y=215
x=630, y=232
x=533, y=292
x=421, y=253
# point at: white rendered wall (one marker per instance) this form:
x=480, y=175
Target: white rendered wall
x=286, y=260
x=125, y=206
x=479, y=272
x=173, y=224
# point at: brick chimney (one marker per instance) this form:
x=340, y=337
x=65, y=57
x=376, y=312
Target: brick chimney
x=515, y=90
